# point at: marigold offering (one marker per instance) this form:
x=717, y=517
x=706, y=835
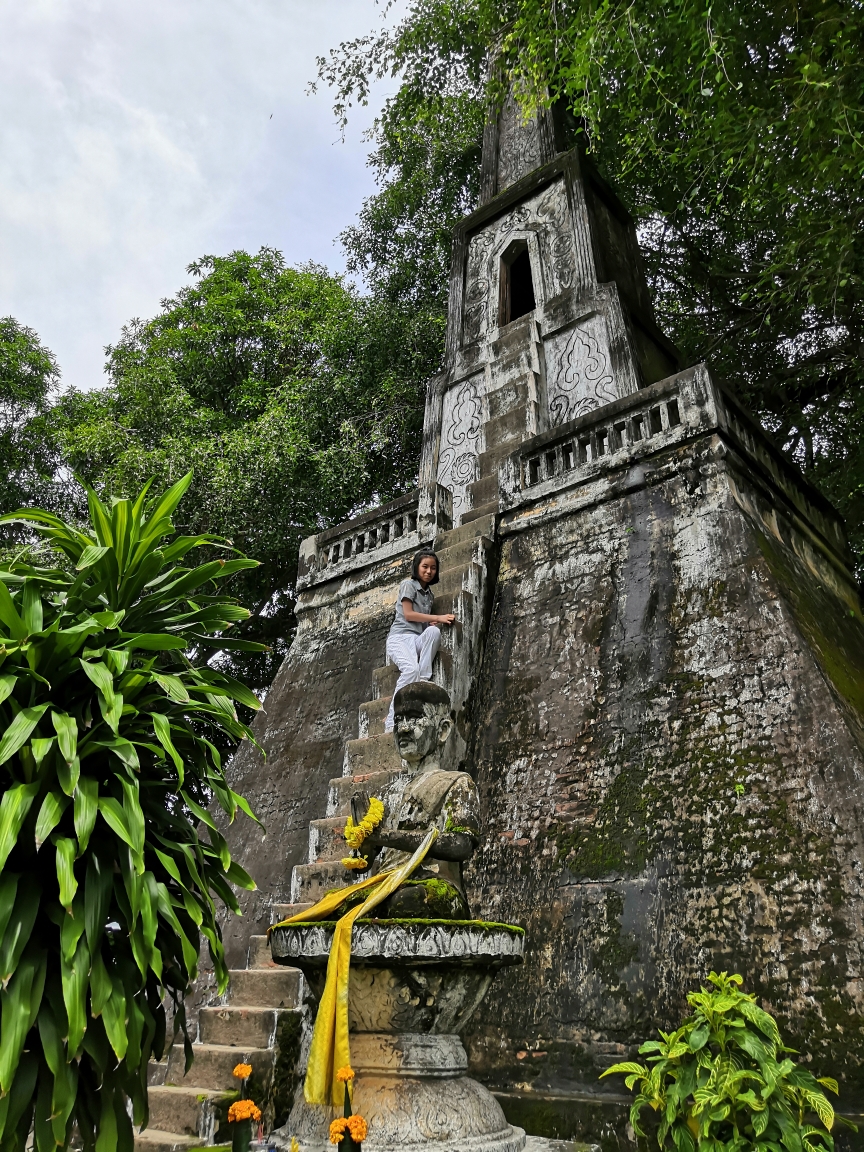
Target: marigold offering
x=355, y=834
x=345, y=1074
x=242, y=1071
x=338, y=1127
x=357, y=863
x=244, y=1110
x=358, y=1128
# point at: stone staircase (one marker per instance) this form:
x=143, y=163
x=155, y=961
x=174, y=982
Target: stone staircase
x=189, y=1111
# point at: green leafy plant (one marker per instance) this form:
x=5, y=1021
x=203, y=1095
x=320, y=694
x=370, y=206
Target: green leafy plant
x=112, y=747
x=724, y=1080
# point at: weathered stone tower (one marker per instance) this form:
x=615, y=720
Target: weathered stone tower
x=658, y=672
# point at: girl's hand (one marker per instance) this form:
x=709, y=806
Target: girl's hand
x=448, y=619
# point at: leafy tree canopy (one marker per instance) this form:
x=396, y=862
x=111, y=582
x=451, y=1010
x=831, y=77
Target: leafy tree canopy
x=294, y=400
x=734, y=133
x=28, y=374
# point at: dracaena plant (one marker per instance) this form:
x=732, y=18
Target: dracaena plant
x=112, y=750
x=724, y=1081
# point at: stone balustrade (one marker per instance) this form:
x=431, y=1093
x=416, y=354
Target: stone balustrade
x=645, y=423
x=402, y=525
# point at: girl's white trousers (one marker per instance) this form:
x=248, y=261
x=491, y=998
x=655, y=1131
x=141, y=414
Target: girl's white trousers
x=412, y=653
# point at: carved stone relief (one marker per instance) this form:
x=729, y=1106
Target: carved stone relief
x=578, y=370
x=460, y=440
x=518, y=144
x=547, y=215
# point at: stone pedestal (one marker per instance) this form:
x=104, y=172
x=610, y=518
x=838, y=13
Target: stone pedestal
x=412, y=988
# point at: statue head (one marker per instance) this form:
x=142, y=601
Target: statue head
x=422, y=723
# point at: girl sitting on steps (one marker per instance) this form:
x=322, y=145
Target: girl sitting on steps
x=413, y=640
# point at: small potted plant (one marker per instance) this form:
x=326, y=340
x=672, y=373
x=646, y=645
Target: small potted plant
x=349, y=1130
x=242, y=1113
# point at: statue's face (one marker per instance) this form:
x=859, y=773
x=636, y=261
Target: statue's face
x=420, y=732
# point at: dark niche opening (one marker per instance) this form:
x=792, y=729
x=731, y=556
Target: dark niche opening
x=517, y=284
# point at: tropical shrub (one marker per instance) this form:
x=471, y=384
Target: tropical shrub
x=723, y=1082
x=112, y=747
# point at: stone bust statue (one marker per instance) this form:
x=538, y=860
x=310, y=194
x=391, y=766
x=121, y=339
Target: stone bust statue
x=433, y=797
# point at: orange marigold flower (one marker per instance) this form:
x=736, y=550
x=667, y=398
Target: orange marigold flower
x=337, y=1130
x=242, y=1071
x=244, y=1110
x=345, y=1074
x=358, y=1128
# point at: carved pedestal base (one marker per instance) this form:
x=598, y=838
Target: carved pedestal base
x=413, y=1092
x=413, y=986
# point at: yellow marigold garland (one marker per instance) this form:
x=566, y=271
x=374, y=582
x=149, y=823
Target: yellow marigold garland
x=355, y=863
x=242, y=1071
x=355, y=834
x=244, y=1110
x=344, y=1074
x=355, y=1125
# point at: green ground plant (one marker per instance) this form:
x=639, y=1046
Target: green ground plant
x=724, y=1081
x=112, y=747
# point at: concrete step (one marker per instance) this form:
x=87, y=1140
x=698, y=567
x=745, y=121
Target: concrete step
x=374, y=754
x=313, y=881
x=259, y=953
x=373, y=783
x=458, y=556
x=265, y=988
x=454, y=581
x=384, y=681
x=482, y=526
x=326, y=839
x=489, y=509
x=283, y=911
x=152, y=1140
x=372, y=716
x=483, y=491
x=239, y=1027
x=214, y=1064
x=179, y=1110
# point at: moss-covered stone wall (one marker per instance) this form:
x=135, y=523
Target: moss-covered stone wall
x=668, y=748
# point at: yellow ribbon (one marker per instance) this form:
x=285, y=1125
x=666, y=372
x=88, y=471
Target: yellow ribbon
x=330, y=1049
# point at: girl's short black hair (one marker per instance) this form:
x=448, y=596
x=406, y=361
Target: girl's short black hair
x=422, y=555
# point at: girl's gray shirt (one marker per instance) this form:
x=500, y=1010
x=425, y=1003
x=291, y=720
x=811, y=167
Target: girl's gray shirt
x=422, y=599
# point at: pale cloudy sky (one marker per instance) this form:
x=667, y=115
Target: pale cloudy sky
x=135, y=136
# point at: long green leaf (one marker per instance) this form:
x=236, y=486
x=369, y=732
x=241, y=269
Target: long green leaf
x=18, y=733
x=13, y=810
x=86, y=808
x=66, y=852
x=19, y=926
x=17, y=1014
x=115, y=818
x=68, y=774
x=9, y=617
x=50, y=814
x=74, y=977
x=162, y=728
x=31, y=607
x=101, y=676
x=91, y=555
x=66, y=728
x=98, y=886
x=7, y=685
